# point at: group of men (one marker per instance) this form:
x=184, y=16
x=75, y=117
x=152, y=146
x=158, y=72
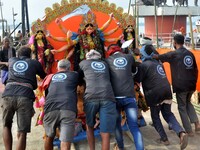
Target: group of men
x=109, y=88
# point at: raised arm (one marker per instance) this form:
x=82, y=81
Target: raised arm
x=61, y=39
x=113, y=30
x=69, y=44
x=107, y=23
x=114, y=39
x=58, y=22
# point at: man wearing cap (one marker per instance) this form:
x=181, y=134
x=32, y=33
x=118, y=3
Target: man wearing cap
x=153, y=78
x=121, y=68
x=61, y=106
x=98, y=98
x=18, y=96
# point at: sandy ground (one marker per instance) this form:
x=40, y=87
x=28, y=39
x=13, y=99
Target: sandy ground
x=35, y=138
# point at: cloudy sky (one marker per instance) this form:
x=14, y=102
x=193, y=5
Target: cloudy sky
x=36, y=8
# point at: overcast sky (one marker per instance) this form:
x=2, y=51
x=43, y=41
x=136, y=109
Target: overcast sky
x=36, y=8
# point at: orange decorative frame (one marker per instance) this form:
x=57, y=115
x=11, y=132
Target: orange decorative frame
x=100, y=9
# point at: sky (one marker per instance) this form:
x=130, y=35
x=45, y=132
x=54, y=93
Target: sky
x=36, y=8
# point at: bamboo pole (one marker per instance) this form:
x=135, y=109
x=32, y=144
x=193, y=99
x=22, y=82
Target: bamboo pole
x=162, y=23
x=191, y=31
x=129, y=6
x=174, y=23
x=156, y=22
x=137, y=24
x=137, y=35
x=2, y=19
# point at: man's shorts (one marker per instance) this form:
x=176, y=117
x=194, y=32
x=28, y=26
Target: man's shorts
x=23, y=107
x=62, y=119
x=107, y=114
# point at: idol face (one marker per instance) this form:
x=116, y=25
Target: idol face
x=89, y=28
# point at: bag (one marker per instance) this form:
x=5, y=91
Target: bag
x=4, y=76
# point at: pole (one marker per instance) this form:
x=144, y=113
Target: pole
x=1, y=4
x=23, y=17
x=156, y=23
x=137, y=35
x=13, y=20
x=191, y=31
x=136, y=25
x=174, y=24
x=129, y=6
x=27, y=17
x=15, y=29
x=162, y=23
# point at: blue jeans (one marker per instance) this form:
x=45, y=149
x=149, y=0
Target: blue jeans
x=169, y=117
x=107, y=114
x=129, y=105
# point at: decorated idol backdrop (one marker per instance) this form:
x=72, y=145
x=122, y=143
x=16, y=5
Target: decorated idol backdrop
x=73, y=15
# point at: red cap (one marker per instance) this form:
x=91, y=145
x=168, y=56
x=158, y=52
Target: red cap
x=112, y=49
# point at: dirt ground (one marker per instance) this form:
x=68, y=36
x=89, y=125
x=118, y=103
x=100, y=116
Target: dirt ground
x=35, y=138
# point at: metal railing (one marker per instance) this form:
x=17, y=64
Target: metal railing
x=165, y=40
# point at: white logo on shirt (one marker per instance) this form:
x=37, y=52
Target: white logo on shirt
x=188, y=61
x=20, y=66
x=161, y=70
x=120, y=62
x=99, y=66
x=59, y=77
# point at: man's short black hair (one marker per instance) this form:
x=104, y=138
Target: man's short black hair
x=24, y=51
x=149, y=49
x=179, y=39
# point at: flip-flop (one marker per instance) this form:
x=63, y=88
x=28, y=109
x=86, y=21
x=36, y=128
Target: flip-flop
x=184, y=141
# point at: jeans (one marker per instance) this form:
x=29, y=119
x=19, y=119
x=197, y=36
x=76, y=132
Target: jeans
x=107, y=114
x=169, y=117
x=129, y=105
